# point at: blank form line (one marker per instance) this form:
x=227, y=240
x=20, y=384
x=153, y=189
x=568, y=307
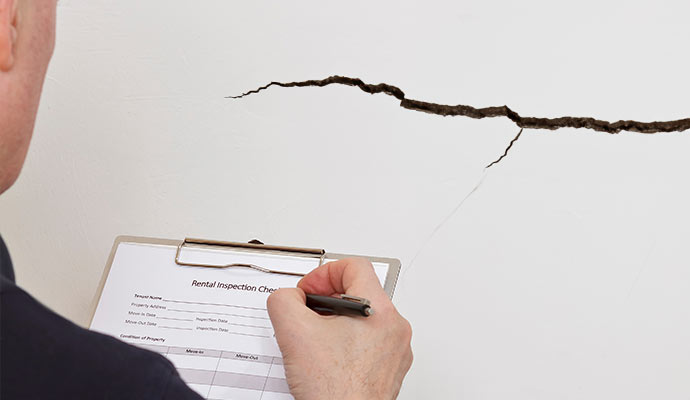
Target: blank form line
x=214, y=304
x=251, y=326
x=176, y=319
x=175, y=327
x=208, y=312
x=248, y=334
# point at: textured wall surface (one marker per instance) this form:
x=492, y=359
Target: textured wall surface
x=566, y=274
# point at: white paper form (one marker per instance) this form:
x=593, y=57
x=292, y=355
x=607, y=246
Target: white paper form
x=211, y=323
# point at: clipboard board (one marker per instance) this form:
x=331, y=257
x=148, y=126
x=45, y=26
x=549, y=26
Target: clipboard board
x=252, y=246
x=202, y=305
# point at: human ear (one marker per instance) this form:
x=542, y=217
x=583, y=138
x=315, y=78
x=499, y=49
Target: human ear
x=8, y=33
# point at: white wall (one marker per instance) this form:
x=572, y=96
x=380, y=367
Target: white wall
x=565, y=275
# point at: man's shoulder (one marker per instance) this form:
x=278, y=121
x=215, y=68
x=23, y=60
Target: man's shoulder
x=45, y=355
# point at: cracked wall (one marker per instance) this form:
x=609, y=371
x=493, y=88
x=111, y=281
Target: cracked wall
x=468, y=111
x=462, y=110
x=567, y=268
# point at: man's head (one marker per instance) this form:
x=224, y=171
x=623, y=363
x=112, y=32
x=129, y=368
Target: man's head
x=27, y=36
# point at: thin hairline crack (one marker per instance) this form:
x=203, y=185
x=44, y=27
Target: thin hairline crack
x=679, y=125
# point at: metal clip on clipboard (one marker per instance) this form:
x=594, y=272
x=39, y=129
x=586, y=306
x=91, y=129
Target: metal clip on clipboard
x=254, y=245
x=345, y=304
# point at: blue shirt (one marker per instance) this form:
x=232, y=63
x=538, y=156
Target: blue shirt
x=45, y=356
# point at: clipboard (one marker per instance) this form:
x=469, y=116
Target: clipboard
x=253, y=246
x=202, y=304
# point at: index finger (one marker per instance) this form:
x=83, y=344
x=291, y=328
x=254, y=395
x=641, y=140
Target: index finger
x=353, y=276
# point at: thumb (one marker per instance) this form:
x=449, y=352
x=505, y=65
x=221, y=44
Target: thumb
x=287, y=306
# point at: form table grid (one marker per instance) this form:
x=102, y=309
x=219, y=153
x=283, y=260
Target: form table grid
x=223, y=375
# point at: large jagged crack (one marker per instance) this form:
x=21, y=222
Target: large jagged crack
x=489, y=112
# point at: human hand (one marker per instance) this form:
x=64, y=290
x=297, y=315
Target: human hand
x=339, y=357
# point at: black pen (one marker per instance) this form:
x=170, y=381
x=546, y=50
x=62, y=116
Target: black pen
x=343, y=305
